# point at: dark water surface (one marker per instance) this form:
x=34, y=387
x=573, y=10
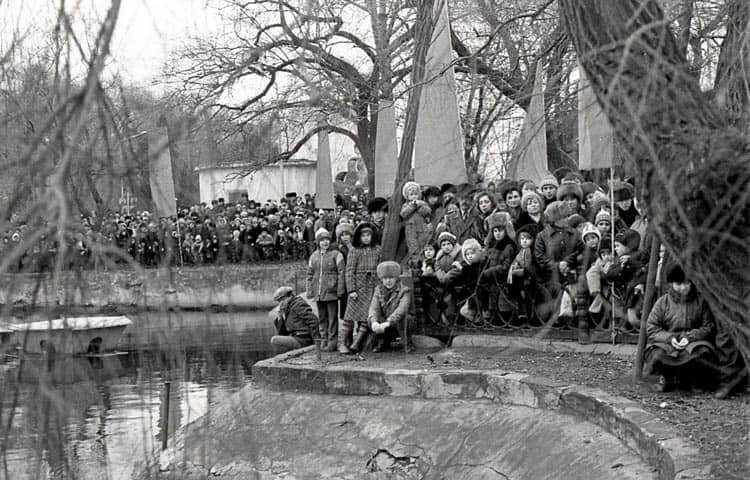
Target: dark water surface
x=72, y=417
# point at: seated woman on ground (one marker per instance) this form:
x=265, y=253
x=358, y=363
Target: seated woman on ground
x=681, y=333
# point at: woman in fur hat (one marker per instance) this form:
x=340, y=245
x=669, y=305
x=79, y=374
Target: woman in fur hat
x=360, y=280
x=415, y=215
x=501, y=250
x=325, y=285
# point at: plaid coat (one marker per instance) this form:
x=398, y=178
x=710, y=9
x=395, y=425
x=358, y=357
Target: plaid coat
x=361, y=277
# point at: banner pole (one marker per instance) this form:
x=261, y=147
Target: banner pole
x=613, y=333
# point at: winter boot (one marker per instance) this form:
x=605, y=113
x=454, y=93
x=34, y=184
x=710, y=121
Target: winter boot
x=345, y=331
x=359, y=341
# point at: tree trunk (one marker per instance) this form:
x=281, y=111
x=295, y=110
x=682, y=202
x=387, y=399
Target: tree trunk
x=731, y=86
x=693, y=163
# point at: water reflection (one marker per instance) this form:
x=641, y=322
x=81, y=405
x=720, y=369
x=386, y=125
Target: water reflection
x=92, y=418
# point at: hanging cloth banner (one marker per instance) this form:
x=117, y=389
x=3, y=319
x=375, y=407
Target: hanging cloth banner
x=439, y=140
x=323, y=175
x=386, y=150
x=595, y=140
x=160, y=173
x=530, y=152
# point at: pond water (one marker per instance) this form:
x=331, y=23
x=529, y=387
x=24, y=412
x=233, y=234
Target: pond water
x=84, y=418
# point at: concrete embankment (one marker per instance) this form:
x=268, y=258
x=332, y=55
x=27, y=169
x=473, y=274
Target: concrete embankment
x=239, y=286
x=310, y=418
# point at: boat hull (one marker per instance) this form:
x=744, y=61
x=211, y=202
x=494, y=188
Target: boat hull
x=72, y=342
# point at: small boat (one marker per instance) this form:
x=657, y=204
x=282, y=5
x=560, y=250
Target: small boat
x=72, y=336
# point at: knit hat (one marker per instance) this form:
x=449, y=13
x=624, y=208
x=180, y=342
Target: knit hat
x=377, y=204
x=590, y=229
x=446, y=236
x=389, y=269
x=622, y=191
x=282, y=292
x=528, y=196
x=630, y=238
x=569, y=187
x=409, y=186
x=343, y=228
x=676, y=274
x=602, y=216
x=470, y=244
x=321, y=234
x=556, y=211
x=549, y=180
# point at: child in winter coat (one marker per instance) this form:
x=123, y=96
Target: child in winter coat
x=390, y=311
x=415, y=214
x=446, y=256
x=325, y=285
x=361, y=268
x=591, y=237
x=522, y=275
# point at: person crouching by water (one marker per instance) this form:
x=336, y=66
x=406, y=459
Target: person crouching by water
x=681, y=332
x=296, y=323
x=390, y=311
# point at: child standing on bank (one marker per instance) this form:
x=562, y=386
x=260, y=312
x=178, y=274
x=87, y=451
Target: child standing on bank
x=325, y=285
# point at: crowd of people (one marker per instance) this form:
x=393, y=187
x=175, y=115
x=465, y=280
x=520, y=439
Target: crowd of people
x=557, y=251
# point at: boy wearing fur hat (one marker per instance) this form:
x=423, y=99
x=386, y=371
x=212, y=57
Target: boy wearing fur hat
x=325, y=285
x=389, y=313
x=415, y=214
x=360, y=281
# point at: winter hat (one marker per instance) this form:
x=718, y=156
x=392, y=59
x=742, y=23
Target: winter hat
x=389, y=269
x=590, y=229
x=432, y=191
x=446, y=236
x=605, y=243
x=282, y=292
x=449, y=188
x=321, y=234
x=569, y=187
x=600, y=200
x=377, y=204
x=630, y=238
x=622, y=191
x=588, y=187
x=408, y=187
x=530, y=229
x=602, y=216
x=361, y=228
x=343, y=228
x=528, y=196
x=501, y=220
x=556, y=211
x=549, y=180
x=575, y=220
x=470, y=244
x=676, y=274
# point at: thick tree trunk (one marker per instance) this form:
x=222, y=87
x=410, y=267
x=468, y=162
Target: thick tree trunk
x=692, y=162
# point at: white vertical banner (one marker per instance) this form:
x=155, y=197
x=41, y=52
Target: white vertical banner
x=323, y=175
x=160, y=173
x=530, y=152
x=386, y=150
x=439, y=141
x=595, y=140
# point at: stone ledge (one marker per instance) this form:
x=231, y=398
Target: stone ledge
x=655, y=441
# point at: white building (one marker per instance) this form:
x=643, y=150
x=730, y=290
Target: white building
x=269, y=182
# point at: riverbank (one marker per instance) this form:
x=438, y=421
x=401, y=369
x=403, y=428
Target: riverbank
x=368, y=409
x=239, y=287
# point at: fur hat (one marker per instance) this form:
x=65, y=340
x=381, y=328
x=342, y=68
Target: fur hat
x=446, y=236
x=622, y=191
x=321, y=234
x=501, y=220
x=530, y=229
x=409, y=186
x=528, y=196
x=361, y=228
x=569, y=187
x=389, y=269
x=282, y=292
x=470, y=244
x=590, y=229
x=549, y=180
x=432, y=191
x=598, y=201
x=676, y=274
x=343, y=228
x=588, y=187
x=602, y=216
x=556, y=211
x=575, y=220
x=630, y=238
x=377, y=204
